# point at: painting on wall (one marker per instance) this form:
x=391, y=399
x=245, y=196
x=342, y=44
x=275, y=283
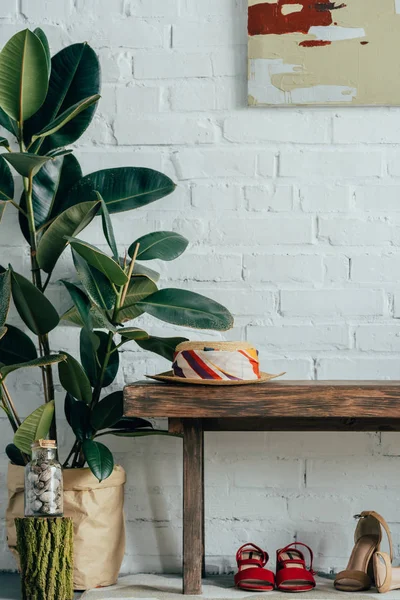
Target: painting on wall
x=318, y=52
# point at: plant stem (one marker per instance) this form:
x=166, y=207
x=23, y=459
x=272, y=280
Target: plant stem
x=129, y=274
x=10, y=403
x=70, y=454
x=17, y=206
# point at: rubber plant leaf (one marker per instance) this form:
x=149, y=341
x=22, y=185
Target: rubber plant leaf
x=15, y=455
x=107, y=227
x=16, y=347
x=108, y=411
x=164, y=347
x=139, y=288
x=35, y=427
x=74, y=380
x=188, y=309
x=96, y=258
x=45, y=42
x=164, y=245
x=5, y=295
x=75, y=75
x=25, y=163
x=133, y=333
x=6, y=181
x=23, y=76
x=69, y=223
x=122, y=188
x=42, y=361
x=97, y=285
x=81, y=303
x=99, y=459
x=71, y=113
x=49, y=187
x=36, y=311
x=113, y=363
x=8, y=123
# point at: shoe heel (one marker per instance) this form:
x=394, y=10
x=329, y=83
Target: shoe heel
x=383, y=572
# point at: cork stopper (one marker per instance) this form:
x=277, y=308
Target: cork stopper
x=43, y=444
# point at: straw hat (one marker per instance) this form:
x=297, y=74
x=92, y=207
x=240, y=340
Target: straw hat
x=215, y=363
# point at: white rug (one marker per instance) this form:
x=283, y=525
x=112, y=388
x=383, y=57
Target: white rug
x=169, y=587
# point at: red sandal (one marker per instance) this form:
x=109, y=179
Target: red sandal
x=251, y=574
x=292, y=574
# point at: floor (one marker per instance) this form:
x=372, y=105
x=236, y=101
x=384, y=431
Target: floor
x=10, y=587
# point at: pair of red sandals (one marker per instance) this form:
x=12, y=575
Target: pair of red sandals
x=292, y=574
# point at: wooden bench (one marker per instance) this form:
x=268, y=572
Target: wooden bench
x=273, y=406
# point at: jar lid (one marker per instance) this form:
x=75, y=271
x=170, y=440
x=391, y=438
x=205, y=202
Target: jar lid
x=44, y=444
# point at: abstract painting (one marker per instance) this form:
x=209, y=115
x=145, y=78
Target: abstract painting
x=318, y=52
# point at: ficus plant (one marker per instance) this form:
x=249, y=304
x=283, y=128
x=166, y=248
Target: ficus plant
x=46, y=104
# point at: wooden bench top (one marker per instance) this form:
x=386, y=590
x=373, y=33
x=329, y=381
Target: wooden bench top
x=280, y=399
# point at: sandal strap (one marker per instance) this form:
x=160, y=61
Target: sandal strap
x=251, y=548
x=382, y=522
x=286, y=575
x=257, y=573
x=359, y=576
x=292, y=546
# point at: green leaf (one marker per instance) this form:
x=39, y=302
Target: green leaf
x=2, y=208
x=69, y=223
x=100, y=261
x=101, y=317
x=132, y=423
x=25, y=163
x=188, y=309
x=99, y=459
x=164, y=347
x=97, y=286
x=6, y=181
x=4, y=143
x=108, y=411
x=43, y=38
x=3, y=331
x=113, y=363
x=35, y=427
x=139, y=270
x=75, y=75
x=107, y=227
x=138, y=289
x=122, y=188
x=165, y=245
x=16, y=347
x=49, y=187
x=59, y=152
x=15, y=455
x=133, y=333
x=81, y=303
x=5, y=295
x=74, y=380
x=80, y=420
x=88, y=345
x=43, y=361
x=8, y=123
x=71, y=113
x=72, y=316
x=33, y=307
x=23, y=76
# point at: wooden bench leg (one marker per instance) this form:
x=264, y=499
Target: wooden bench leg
x=193, y=506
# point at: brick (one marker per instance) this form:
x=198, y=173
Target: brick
x=265, y=232
x=163, y=129
x=271, y=126
x=271, y=198
x=323, y=444
x=376, y=367
x=151, y=8
x=217, y=197
x=210, y=7
x=337, y=269
x=293, y=368
x=266, y=163
x=378, y=338
x=339, y=474
x=332, y=303
x=171, y=65
x=230, y=62
x=374, y=268
x=193, y=95
x=116, y=66
x=287, y=338
x=283, y=268
x=206, y=267
x=358, y=231
x=93, y=161
x=38, y=10
x=199, y=164
x=242, y=302
x=134, y=99
x=324, y=198
x=199, y=34
x=135, y=33
x=377, y=198
x=235, y=505
x=367, y=127
x=326, y=509
x=8, y=9
x=269, y=473
x=324, y=163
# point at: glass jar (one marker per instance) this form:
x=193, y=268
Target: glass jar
x=43, y=481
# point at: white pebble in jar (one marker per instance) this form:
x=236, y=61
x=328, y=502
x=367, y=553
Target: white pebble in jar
x=43, y=481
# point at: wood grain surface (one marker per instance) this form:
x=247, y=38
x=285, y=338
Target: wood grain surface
x=278, y=399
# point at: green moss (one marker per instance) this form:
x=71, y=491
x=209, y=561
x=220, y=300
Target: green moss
x=45, y=547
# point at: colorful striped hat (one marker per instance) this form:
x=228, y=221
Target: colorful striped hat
x=215, y=363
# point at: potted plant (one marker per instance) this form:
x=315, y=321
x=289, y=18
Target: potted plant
x=46, y=104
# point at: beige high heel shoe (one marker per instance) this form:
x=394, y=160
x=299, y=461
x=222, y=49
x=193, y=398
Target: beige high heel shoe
x=359, y=573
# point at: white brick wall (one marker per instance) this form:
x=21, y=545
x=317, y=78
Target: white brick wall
x=293, y=218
